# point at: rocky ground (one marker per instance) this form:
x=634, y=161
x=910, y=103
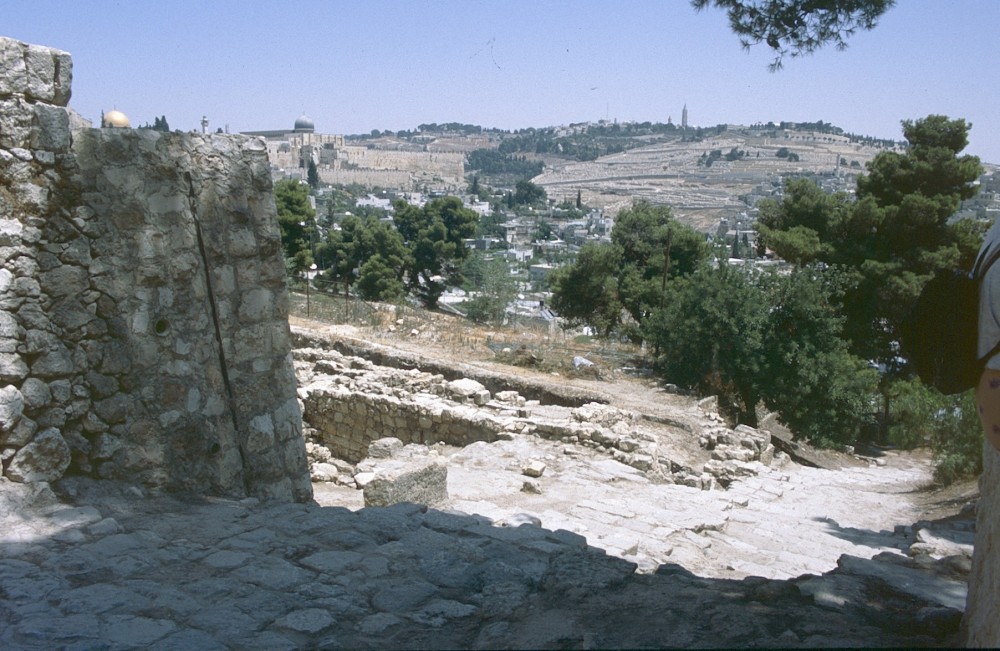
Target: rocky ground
x=538, y=543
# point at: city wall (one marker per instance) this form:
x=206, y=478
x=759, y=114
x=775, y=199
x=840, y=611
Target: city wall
x=371, y=178
x=451, y=165
x=143, y=308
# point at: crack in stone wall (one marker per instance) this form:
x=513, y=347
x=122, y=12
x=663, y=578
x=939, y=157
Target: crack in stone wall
x=211, y=301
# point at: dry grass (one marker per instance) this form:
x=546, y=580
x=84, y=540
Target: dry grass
x=527, y=344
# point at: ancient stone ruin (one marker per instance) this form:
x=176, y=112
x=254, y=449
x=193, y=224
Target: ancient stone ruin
x=143, y=330
x=144, y=336
x=349, y=403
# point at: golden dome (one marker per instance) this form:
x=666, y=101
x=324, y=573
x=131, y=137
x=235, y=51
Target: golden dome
x=116, y=119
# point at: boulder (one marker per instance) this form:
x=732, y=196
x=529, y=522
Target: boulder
x=44, y=459
x=11, y=407
x=533, y=468
x=420, y=481
x=384, y=448
x=324, y=472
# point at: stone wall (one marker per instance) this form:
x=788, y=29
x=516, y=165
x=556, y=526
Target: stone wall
x=408, y=170
x=351, y=402
x=143, y=310
x=450, y=165
x=981, y=620
x=381, y=178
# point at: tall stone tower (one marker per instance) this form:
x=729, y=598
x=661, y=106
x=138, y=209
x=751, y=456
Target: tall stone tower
x=684, y=117
x=143, y=306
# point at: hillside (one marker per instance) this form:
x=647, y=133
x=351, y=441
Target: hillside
x=705, y=174
x=674, y=172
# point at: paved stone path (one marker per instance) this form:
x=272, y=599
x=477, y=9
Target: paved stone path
x=107, y=567
x=780, y=524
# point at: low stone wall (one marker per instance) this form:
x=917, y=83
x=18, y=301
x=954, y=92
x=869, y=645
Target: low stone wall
x=143, y=308
x=349, y=421
x=351, y=403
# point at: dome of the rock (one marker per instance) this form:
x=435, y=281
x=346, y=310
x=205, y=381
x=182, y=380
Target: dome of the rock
x=116, y=119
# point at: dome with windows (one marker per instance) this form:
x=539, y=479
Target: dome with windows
x=304, y=124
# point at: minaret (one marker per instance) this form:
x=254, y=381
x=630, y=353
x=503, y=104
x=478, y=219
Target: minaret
x=684, y=117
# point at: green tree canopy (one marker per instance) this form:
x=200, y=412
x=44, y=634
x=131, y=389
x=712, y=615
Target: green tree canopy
x=893, y=237
x=359, y=241
x=435, y=237
x=527, y=193
x=378, y=280
x=798, y=27
x=495, y=289
x=648, y=247
x=296, y=221
x=586, y=291
x=752, y=337
x=312, y=174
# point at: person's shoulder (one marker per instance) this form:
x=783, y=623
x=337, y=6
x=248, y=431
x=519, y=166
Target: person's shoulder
x=990, y=246
x=992, y=237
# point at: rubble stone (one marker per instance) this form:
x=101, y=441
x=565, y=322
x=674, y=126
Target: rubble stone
x=533, y=468
x=44, y=459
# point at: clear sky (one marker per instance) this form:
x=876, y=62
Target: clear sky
x=393, y=64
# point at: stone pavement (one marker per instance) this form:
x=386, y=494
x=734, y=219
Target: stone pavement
x=782, y=523
x=106, y=566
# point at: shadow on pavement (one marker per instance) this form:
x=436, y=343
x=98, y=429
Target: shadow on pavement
x=119, y=572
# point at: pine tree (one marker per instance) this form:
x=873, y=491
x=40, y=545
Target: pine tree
x=312, y=175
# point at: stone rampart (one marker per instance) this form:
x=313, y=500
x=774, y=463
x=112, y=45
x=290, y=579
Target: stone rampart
x=143, y=308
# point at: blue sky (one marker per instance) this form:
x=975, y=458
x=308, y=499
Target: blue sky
x=381, y=64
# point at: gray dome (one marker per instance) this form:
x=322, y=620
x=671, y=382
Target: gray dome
x=303, y=123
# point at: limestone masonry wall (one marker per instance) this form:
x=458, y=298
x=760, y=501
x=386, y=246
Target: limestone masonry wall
x=143, y=310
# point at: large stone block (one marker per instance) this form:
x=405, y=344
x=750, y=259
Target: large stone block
x=63, y=82
x=20, y=435
x=421, y=481
x=13, y=68
x=12, y=368
x=15, y=123
x=51, y=131
x=41, y=73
